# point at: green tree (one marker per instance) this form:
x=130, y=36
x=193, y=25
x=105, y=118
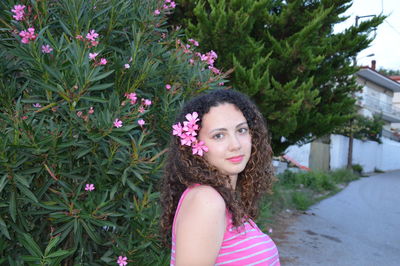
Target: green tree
x=286, y=56
x=389, y=72
x=88, y=92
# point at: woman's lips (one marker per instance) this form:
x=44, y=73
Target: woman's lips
x=236, y=159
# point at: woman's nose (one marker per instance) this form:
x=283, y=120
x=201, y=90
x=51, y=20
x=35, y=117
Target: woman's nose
x=234, y=143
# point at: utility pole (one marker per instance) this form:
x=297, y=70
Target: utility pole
x=351, y=136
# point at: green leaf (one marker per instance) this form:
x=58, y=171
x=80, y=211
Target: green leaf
x=53, y=242
x=83, y=152
x=90, y=231
x=3, y=182
x=59, y=253
x=30, y=244
x=100, y=87
x=27, y=192
x=13, y=207
x=101, y=76
x=120, y=141
x=138, y=191
x=21, y=180
x=94, y=99
x=29, y=258
x=3, y=228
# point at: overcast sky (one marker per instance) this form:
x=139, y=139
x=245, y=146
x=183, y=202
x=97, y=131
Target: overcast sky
x=386, y=45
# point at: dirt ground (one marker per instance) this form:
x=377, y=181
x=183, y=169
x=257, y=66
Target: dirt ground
x=280, y=225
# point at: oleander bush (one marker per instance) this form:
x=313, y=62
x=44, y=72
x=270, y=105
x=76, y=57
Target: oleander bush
x=88, y=91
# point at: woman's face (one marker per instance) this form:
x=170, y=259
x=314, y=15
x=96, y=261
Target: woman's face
x=225, y=132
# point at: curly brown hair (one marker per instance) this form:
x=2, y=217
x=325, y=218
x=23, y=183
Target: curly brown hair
x=183, y=169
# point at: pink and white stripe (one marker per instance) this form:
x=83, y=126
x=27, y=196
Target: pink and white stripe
x=245, y=245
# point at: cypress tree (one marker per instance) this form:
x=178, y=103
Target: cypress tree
x=286, y=57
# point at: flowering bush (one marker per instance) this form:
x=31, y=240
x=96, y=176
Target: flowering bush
x=88, y=91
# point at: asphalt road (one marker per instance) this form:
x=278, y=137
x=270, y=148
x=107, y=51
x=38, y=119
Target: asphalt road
x=358, y=226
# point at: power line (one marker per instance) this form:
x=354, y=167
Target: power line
x=393, y=28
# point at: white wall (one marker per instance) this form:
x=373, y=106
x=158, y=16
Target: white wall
x=300, y=154
x=369, y=154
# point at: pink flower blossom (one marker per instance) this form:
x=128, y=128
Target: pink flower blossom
x=92, y=35
x=172, y=4
x=37, y=105
x=214, y=70
x=147, y=102
x=126, y=66
x=221, y=84
x=79, y=37
x=89, y=187
x=46, y=49
x=194, y=42
x=177, y=129
x=187, y=139
x=191, y=61
x=168, y=86
x=122, y=261
x=157, y=12
x=141, y=109
x=141, y=122
x=92, y=56
x=79, y=113
x=91, y=110
x=199, y=148
x=19, y=12
x=117, y=123
x=103, y=61
x=190, y=128
x=132, y=97
x=192, y=118
x=28, y=35
x=24, y=117
x=94, y=43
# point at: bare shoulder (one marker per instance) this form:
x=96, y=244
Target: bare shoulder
x=205, y=197
x=200, y=227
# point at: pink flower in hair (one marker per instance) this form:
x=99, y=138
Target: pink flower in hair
x=177, y=129
x=190, y=128
x=192, y=118
x=199, y=148
x=187, y=139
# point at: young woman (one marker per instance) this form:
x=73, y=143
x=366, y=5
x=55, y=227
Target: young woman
x=219, y=165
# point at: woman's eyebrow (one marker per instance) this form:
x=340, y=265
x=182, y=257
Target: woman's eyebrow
x=242, y=124
x=224, y=129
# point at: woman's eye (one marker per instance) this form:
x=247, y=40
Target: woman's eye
x=243, y=130
x=218, y=136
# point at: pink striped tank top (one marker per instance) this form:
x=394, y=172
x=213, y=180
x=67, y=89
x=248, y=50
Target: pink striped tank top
x=245, y=245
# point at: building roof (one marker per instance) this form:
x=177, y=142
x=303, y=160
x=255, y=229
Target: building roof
x=379, y=79
x=396, y=78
